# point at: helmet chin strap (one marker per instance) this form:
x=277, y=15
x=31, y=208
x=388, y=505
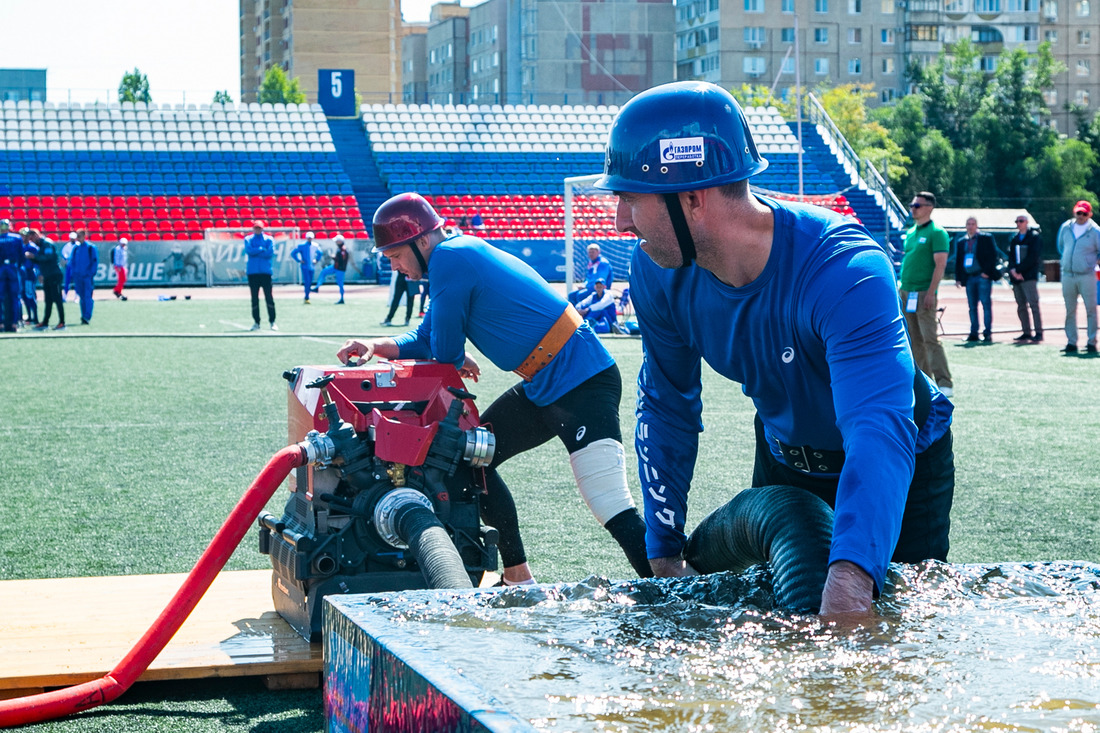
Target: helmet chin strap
x=419, y=257
x=680, y=226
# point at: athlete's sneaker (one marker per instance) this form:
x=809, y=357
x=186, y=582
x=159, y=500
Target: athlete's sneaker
x=947, y=391
x=1090, y=349
x=41, y=327
x=1023, y=338
x=386, y=323
x=305, y=301
x=59, y=327
x=1070, y=349
x=83, y=321
x=274, y=327
x=123, y=298
x=255, y=327
x=340, y=302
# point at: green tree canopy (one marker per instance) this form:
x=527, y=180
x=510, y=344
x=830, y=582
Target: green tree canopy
x=222, y=98
x=134, y=87
x=277, y=88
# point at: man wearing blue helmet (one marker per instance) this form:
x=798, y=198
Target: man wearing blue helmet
x=799, y=305
x=571, y=386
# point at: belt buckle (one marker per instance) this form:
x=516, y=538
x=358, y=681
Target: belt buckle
x=798, y=458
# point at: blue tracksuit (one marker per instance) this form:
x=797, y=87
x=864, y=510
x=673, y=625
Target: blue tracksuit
x=818, y=343
x=503, y=307
x=11, y=261
x=260, y=249
x=83, y=263
x=307, y=255
x=600, y=269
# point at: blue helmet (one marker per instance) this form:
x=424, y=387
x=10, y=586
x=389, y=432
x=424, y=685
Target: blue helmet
x=680, y=136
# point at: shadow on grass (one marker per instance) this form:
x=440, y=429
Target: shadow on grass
x=199, y=706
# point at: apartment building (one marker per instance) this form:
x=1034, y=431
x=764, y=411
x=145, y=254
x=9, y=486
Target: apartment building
x=303, y=36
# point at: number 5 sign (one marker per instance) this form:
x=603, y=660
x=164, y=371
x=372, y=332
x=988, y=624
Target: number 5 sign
x=336, y=92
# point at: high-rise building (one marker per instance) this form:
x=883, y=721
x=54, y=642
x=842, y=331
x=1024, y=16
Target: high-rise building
x=874, y=41
x=303, y=36
x=550, y=51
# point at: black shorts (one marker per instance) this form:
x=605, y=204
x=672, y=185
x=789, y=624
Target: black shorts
x=587, y=413
x=926, y=523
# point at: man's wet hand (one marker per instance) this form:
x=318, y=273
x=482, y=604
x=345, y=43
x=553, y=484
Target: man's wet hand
x=671, y=567
x=848, y=592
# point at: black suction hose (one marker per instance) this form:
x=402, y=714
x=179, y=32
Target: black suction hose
x=787, y=527
x=429, y=542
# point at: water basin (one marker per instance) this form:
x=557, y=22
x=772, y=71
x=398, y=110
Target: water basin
x=1011, y=647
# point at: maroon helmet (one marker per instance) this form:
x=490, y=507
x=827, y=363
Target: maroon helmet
x=402, y=219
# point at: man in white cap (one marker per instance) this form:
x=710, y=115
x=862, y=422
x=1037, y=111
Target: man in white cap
x=119, y=260
x=337, y=269
x=307, y=255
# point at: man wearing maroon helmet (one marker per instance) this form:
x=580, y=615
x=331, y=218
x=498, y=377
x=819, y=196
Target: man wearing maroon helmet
x=571, y=386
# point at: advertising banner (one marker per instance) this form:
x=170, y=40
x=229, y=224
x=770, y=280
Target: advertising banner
x=201, y=263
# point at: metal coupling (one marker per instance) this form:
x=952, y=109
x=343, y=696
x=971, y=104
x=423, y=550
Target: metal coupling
x=385, y=514
x=481, y=446
x=319, y=448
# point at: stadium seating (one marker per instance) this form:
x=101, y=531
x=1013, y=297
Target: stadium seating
x=170, y=171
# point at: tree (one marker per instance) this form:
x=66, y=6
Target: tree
x=222, y=98
x=134, y=87
x=277, y=88
x=847, y=106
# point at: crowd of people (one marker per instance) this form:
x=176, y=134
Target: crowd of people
x=979, y=264
x=28, y=257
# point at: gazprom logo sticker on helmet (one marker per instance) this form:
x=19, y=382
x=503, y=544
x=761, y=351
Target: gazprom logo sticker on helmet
x=683, y=150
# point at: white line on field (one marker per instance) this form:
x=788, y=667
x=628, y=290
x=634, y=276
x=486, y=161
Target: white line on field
x=322, y=341
x=235, y=325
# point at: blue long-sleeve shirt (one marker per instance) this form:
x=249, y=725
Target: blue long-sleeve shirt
x=83, y=261
x=818, y=343
x=11, y=251
x=504, y=308
x=599, y=269
x=307, y=254
x=260, y=250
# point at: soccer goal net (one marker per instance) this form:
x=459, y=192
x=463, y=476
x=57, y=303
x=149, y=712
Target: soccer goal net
x=590, y=219
x=225, y=261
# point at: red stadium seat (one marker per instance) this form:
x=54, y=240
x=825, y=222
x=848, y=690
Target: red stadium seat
x=187, y=201
x=173, y=201
x=164, y=225
x=197, y=235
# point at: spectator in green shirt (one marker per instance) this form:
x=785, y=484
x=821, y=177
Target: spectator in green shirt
x=922, y=266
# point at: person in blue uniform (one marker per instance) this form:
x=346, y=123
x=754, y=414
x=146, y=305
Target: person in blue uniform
x=260, y=251
x=29, y=276
x=598, y=308
x=571, y=386
x=47, y=257
x=11, y=259
x=307, y=255
x=799, y=306
x=83, y=264
x=338, y=269
x=597, y=268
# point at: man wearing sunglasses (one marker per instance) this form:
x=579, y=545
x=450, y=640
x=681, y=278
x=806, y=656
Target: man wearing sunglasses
x=922, y=266
x=1024, y=251
x=1079, y=246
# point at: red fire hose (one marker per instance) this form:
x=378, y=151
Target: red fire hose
x=58, y=703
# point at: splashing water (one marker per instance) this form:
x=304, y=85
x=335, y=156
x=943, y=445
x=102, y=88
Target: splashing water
x=954, y=648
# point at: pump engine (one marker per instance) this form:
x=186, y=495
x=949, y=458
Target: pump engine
x=390, y=498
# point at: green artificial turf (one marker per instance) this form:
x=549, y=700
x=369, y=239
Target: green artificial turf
x=123, y=455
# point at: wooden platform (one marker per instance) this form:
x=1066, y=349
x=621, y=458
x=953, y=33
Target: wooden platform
x=55, y=633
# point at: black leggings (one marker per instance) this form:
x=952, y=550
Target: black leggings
x=51, y=292
x=927, y=519
x=587, y=413
x=408, y=288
